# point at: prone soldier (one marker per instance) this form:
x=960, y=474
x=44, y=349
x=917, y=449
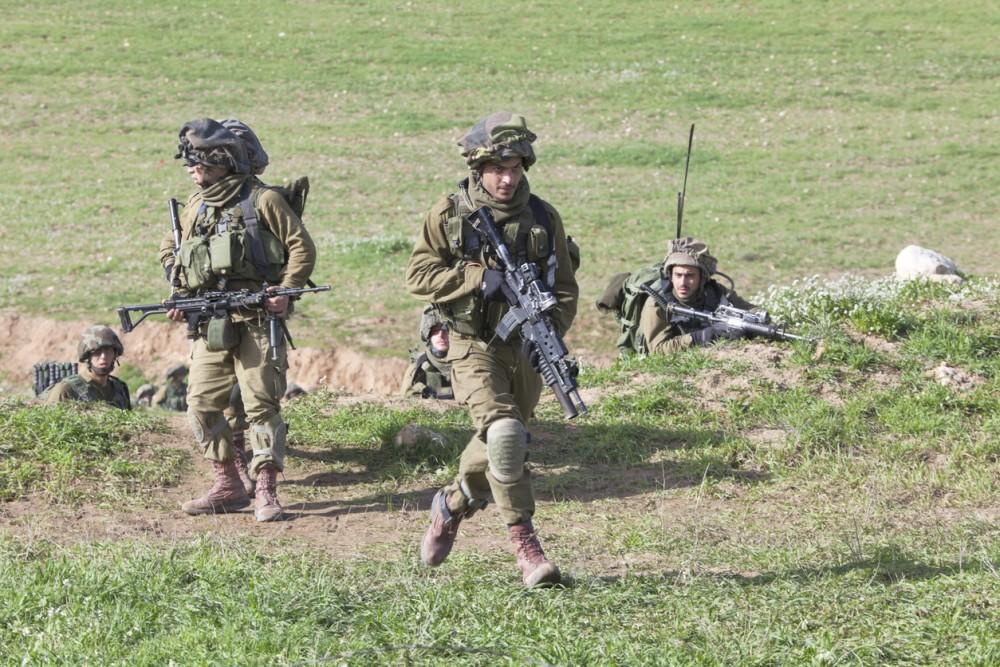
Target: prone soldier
x=429, y=375
x=173, y=394
x=99, y=348
x=453, y=268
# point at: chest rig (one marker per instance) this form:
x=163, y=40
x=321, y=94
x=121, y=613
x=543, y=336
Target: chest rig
x=534, y=242
x=712, y=296
x=227, y=243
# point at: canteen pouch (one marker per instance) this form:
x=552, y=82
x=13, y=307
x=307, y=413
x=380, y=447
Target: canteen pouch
x=226, y=253
x=221, y=334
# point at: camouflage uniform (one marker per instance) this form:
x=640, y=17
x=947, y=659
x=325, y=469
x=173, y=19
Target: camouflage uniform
x=661, y=337
x=494, y=379
x=216, y=217
x=85, y=386
x=428, y=375
x=173, y=394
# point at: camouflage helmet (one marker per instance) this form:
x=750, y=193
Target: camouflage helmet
x=145, y=391
x=256, y=154
x=496, y=138
x=206, y=141
x=176, y=369
x=428, y=321
x=94, y=338
x=293, y=391
x=689, y=251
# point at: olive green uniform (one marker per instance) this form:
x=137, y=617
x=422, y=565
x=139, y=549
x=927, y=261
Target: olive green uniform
x=662, y=337
x=492, y=377
x=83, y=387
x=427, y=376
x=172, y=396
x=249, y=361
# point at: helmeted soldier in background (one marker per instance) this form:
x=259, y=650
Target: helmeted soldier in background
x=452, y=268
x=236, y=233
x=99, y=348
x=144, y=395
x=173, y=394
x=686, y=279
x=429, y=375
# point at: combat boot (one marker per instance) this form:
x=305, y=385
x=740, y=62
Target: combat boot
x=267, y=507
x=242, y=462
x=440, y=535
x=226, y=495
x=536, y=569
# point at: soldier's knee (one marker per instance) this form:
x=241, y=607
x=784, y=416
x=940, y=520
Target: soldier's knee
x=267, y=438
x=208, y=426
x=506, y=449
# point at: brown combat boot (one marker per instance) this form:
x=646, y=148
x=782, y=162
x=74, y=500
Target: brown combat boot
x=440, y=535
x=242, y=462
x=267, y=507
x=536, y=569
x=226, y=495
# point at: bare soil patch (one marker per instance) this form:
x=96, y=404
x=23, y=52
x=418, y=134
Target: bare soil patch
x=25, y=340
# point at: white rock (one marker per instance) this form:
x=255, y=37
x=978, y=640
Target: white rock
x=916, y=262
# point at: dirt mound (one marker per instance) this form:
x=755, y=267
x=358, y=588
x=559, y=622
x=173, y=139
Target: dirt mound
x=154, y=346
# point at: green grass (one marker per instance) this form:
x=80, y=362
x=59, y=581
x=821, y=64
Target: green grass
x=828, y=137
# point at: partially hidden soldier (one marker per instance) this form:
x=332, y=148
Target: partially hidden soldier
x=686, y=278
x=173, y=394
x=144, y=395
x=429, y=375
x=99, y=348
x=236, y=233
x=452, y=268
x=236, y=417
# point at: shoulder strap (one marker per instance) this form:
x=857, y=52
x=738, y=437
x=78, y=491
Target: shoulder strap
x=247, y=201
x=542, y=217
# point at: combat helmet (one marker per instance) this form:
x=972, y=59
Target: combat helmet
x=428, y=321
x=175, y=369
x=256, y=155
x=94, y=338
x=689, y=251
x=498, y=137
x=206, y=141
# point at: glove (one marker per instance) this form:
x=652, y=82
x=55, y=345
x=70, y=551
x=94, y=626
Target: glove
x=493, y=285
x=532, y=354
x=710, y=333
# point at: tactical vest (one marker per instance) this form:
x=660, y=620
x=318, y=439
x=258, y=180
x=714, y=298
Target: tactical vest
x=469, y=315
x=81, y=390
x=435, y=374
x=230, y=244
x=624, y=298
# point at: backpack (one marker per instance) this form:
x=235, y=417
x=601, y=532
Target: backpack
x=624, y=299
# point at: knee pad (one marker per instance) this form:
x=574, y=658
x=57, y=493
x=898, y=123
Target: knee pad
x=506, y=449
x=268, y=439
x=209, y=427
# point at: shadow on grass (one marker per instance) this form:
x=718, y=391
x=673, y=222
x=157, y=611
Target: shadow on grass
x=571, y=462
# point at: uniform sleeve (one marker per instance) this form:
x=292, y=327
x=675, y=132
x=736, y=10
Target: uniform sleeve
x=413, y=381
x=660, y=337
x=59, y=393
x=566, y=290
x=433, y=273
x=288, y=228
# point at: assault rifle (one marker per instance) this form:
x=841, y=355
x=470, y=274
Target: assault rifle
x=198, y=309
x=531, y=303
x=736, y=320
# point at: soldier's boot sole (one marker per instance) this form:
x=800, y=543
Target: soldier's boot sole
x=201, y=506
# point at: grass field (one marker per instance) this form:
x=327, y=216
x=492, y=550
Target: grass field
x=828, y=135
x=750, y=504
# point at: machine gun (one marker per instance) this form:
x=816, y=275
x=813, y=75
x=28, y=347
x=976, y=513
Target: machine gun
x=737, y=321
x=198, y=309
x=531, y=303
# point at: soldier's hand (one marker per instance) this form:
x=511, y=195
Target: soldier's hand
x=276, y=304
x=175, y=315
x=532, y=354
x=493, y=285
x=710, y=333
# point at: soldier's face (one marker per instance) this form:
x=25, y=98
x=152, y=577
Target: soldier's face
x=204, y=175
x=102, y=360
x=685, y=281
x=439, y=338
x=502, y=178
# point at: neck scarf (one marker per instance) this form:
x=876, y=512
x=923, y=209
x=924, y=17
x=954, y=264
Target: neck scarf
x=221, y=193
